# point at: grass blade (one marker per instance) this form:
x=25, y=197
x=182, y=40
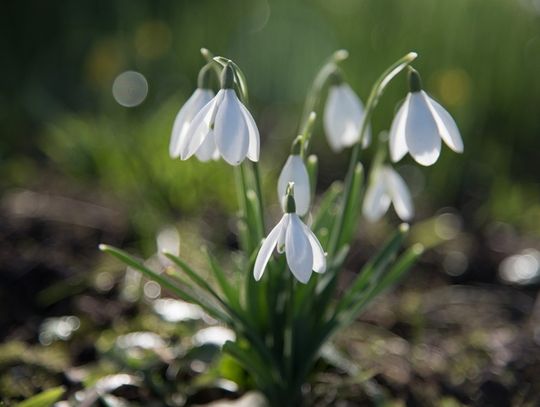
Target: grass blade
x=164, y=282
x=44, y=399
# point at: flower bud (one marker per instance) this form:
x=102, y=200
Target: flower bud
x=415, y=82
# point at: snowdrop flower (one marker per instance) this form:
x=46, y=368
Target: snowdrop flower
x=343, y=115
x=202, y=95
x=303, y=251
x=223, y=127
x=419, y=126
x=295, y=171
x=387, y=186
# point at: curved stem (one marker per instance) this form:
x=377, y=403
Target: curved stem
x=314, y=94
x=376, y=92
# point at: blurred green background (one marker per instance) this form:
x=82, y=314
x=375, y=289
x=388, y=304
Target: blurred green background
x=59, y=119
x=77, y=168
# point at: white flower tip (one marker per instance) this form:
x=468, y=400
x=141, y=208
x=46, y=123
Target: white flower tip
x=341, y=55
x=404, y=227
x=103, y=247
x=418, y=249
x=394, y=156
x=426, y=160
x=303, y=281
x=412, y=56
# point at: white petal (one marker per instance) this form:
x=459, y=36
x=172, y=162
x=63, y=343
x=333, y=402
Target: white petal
x=295, y=171
x=230, y=129
x=342, y=117
x=266, y=250
x=208, y=150
x=319, y=259
x=298, y=250
x=398, y=146
x=376, y=201
x=197, y=131
x=399, y=193
x=254, y=137
x=448, y=129
x=282, y=235
x=421, y=131
x=183, y=119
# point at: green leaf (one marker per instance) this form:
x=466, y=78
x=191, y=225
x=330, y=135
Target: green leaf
x=398, y=270
x=254, y=216
x=44, y=399
x=373, y=269
x=230, y=292
x=164, y=282
x=324, y=217
x=392, y=277
x=352, y=207
x=264, y=375
x=193, y=275
x=312, y=165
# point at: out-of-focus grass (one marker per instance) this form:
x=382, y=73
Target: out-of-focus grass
x=480, y=59
x=128, y=157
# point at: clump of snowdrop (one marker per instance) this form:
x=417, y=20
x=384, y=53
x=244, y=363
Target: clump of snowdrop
x=280, y=325
x=343, y=115
x=419, y=126
x=222, y=128
x=302, y=248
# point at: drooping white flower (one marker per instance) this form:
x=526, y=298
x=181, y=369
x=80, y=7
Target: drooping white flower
x=419, y=126
x=223, y=124
x=295, y=171
x=189, y=110
x=386, y=186
x=302, y=249
x=342, y=119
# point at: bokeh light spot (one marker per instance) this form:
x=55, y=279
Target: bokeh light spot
x=447, y=226
x=453, y=87
x=522, y=268
x=130, y=88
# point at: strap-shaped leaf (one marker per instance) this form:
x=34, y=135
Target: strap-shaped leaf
x=249, y=360
x=312, y=165
x=373, y=269
x=254, y=215
x=44, y=399
x=351, y=208
x=230, y=291
x=396, y=272
x=326, y=213
x=164, y=282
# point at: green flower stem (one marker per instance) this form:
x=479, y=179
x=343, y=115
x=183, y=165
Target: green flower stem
x=241, y=193
x=258, y=191
x=374, y=96
x=209, y=56
x=306, y=134
x=314, y=95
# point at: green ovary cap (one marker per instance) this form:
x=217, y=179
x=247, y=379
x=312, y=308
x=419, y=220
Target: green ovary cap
x=227, y=77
